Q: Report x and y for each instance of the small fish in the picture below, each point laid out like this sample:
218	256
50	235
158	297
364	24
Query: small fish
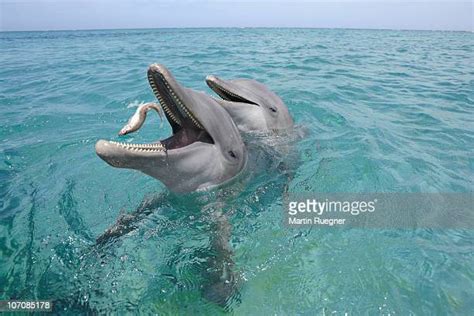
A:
137	119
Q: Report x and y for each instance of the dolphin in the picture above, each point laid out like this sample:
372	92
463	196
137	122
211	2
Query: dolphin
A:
204	150
252	106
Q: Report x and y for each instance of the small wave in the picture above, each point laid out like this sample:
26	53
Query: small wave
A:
382	111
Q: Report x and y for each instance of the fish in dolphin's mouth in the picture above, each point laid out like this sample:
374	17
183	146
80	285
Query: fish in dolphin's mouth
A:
186	128
226	92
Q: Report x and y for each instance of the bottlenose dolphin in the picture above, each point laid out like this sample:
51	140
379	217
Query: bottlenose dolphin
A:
204	150
252	106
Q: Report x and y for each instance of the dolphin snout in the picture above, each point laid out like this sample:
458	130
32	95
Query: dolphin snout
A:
211	78
158	68
106	151
102	149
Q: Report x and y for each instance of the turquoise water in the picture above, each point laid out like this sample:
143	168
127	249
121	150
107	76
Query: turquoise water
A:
378	111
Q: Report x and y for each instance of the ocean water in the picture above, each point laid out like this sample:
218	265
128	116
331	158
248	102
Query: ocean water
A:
376	111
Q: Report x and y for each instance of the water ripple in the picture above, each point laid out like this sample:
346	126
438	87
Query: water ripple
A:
380	111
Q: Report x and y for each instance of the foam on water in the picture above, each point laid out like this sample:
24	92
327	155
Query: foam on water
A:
381	111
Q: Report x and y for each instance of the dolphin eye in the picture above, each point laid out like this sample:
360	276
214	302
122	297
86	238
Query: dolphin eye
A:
232	154
273	109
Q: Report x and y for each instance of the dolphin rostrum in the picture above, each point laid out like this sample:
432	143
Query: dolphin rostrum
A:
252	106
204	150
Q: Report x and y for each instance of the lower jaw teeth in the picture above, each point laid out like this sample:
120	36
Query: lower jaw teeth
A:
141	147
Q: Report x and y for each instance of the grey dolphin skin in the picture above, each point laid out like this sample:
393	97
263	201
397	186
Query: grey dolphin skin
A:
252	106
204	150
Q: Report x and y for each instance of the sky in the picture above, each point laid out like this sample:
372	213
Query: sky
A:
25	15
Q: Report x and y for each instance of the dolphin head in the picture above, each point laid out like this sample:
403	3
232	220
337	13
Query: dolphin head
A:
251	104
204	150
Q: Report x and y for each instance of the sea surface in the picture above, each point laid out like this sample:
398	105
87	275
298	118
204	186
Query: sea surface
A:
375	111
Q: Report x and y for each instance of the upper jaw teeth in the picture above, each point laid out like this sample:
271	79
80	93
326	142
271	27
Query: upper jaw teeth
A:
219	89
156	147
162	102
181	107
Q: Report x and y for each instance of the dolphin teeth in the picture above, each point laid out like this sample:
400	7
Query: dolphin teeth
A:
162	102
222	89
154	147
181	107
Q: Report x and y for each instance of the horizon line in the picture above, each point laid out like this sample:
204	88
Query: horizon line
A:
237	27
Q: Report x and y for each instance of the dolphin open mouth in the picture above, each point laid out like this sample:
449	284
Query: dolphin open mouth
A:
186	128
204	150
225	91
